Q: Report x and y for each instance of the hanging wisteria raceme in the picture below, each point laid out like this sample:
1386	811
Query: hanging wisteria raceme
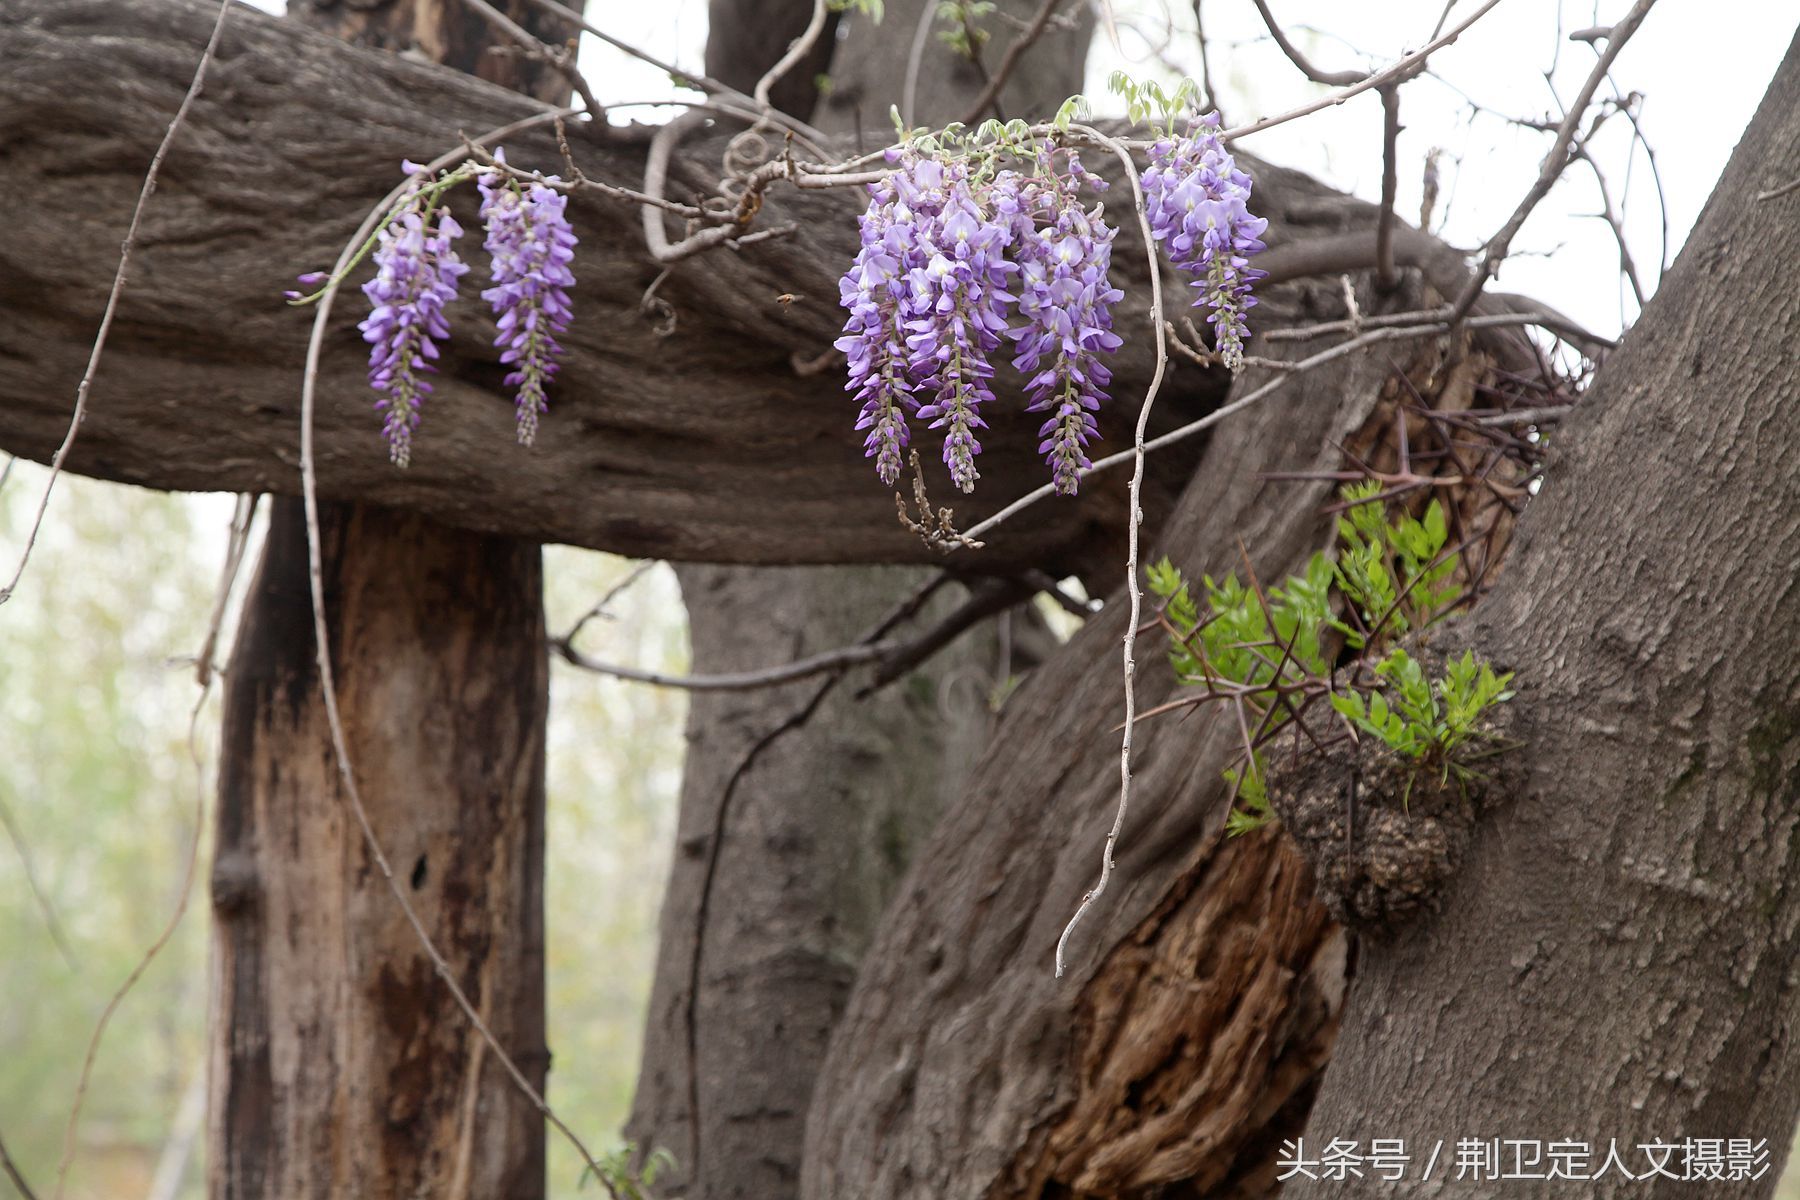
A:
951	246
1198	204
532	247
930	291
959	317
417	270
926	297
877	295
1066	299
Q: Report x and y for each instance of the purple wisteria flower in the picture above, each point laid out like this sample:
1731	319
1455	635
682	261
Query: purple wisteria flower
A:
958	319
417	274
943	243
532	245
1066	299
1198	205
875	293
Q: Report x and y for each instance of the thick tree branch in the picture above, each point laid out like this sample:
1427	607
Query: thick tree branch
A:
297	135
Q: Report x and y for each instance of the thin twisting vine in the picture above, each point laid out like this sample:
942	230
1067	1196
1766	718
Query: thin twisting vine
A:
1134	519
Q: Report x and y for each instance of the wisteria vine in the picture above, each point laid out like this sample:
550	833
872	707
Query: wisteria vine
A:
953	246
970	246
531	247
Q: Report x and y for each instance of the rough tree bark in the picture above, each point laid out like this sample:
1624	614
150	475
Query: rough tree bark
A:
1617	958
961	1067
1616	961
773	900
330	1021
1203	993
294	138
340	1063
821	820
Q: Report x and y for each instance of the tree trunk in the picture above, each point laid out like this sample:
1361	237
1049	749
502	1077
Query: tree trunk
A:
794	828
790	843
341	1060
1616	958
1204	990
341	1065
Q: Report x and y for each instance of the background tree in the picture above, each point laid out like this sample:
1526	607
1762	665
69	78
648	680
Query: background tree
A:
1188	1039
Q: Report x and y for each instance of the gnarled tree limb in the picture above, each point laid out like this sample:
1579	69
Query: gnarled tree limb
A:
295	138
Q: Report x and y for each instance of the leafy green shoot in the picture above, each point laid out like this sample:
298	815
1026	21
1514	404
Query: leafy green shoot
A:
1273	655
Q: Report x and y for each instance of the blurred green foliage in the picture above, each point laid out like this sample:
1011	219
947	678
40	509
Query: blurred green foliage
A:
97	784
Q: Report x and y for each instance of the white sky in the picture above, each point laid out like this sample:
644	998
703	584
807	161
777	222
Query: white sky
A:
1701	77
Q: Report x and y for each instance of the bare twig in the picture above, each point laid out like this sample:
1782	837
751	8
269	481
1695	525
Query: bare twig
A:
237	541
1206	75
72	1126
1373	337
1525	416
698	81
580	182
1401	68
112	299
985	600
1556	161
13	1173
1627	266
559	58
1134	518
656	174
1328	78
797	51
1385	279
900	612
234	558
1009	61
1792	185
739	681
915	60
52	923
600	606
74	1119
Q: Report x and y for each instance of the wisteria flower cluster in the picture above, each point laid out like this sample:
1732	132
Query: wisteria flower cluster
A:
1199	208
949	249
531	247
952	248
417	272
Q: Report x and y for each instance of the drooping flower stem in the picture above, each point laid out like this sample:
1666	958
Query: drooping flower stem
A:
417	275
532	247
1199	210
